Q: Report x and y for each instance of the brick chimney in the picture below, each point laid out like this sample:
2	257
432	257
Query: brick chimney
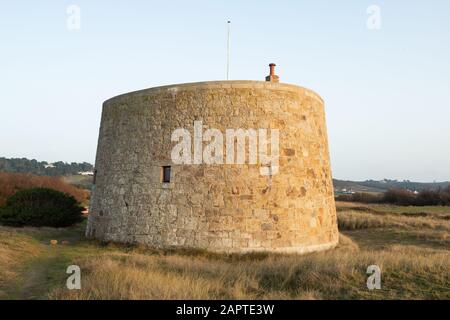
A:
272	77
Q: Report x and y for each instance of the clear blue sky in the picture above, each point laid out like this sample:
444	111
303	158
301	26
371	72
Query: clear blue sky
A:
387	92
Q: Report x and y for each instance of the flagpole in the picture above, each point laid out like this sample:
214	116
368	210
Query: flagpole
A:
228	51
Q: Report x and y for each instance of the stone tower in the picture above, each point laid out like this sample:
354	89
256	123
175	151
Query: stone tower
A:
142	196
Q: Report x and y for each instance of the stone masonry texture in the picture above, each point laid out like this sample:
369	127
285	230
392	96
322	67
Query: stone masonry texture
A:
221	207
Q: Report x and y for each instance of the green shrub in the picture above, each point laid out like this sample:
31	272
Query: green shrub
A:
402	197
39	207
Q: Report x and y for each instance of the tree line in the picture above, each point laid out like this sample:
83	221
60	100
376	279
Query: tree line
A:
402	197
43	168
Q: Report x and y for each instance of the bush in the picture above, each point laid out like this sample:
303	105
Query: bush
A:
400	197
39	207
10	183
445	196
429	198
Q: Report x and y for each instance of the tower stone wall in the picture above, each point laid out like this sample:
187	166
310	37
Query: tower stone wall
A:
219	207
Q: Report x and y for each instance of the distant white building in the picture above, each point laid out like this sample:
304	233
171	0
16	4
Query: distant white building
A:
86	173
346	191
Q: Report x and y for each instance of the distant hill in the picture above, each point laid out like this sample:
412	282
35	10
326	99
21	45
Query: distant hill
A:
43	168
373	186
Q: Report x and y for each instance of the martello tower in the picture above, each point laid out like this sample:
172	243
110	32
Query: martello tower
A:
141	196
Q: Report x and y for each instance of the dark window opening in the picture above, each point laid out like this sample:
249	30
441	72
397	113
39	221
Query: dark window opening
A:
95	177
166	174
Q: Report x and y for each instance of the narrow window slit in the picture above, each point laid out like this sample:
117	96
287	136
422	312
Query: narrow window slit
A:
166	174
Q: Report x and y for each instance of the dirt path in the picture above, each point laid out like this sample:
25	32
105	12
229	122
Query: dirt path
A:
39	275
34	283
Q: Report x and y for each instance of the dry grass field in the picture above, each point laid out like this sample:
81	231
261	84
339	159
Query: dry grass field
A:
409	244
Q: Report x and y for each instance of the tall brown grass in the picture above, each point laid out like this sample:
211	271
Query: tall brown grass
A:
412	268
15	248
335	274
352	220
10	183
